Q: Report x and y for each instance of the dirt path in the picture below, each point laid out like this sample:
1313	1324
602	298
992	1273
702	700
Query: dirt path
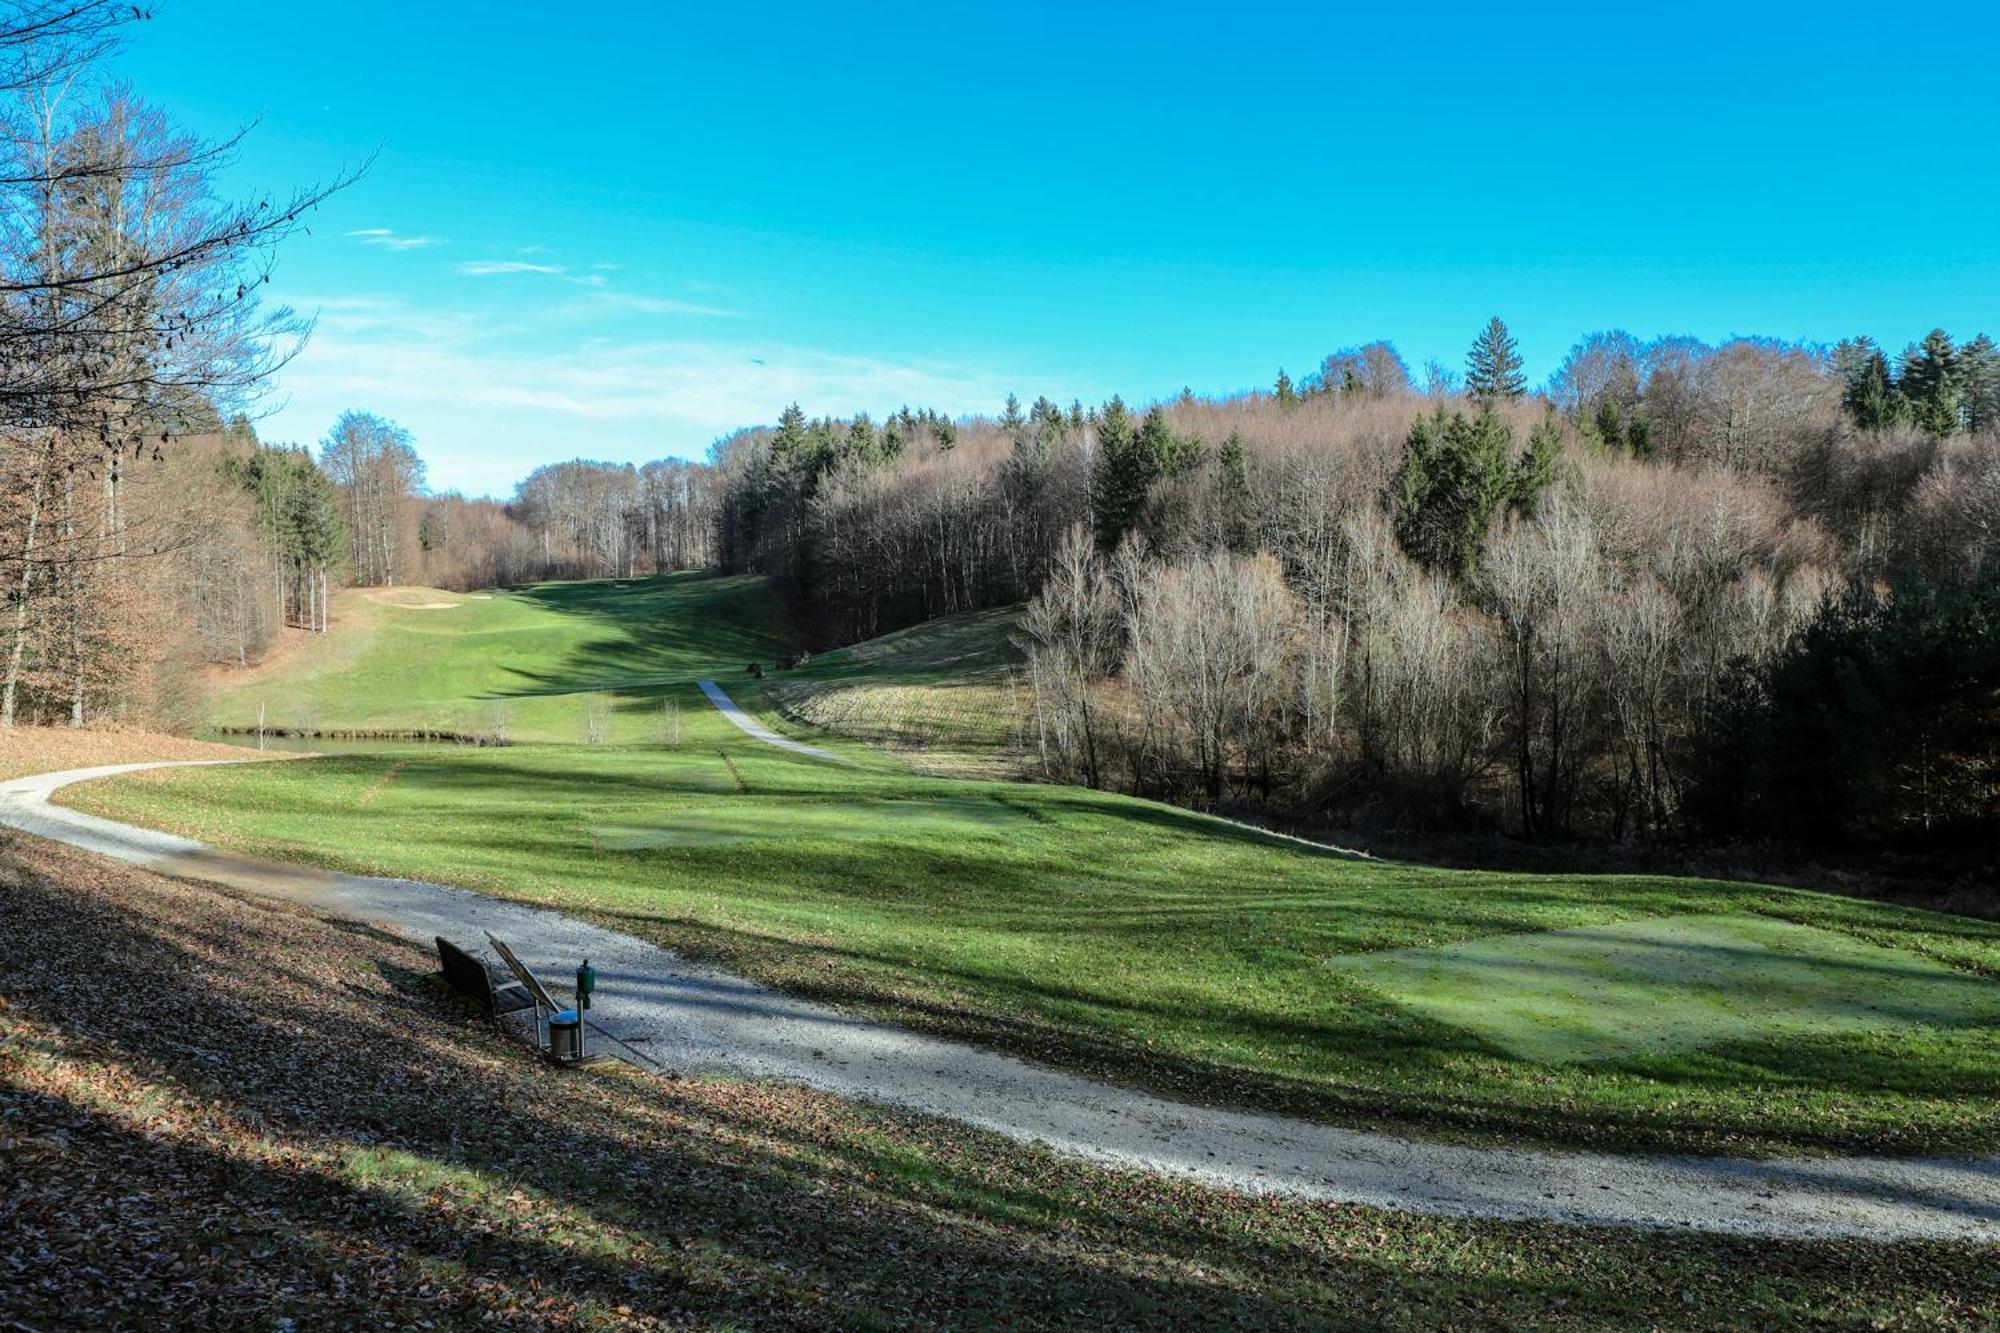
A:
677	1015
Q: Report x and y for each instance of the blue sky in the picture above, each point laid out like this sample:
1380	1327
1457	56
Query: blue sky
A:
618	231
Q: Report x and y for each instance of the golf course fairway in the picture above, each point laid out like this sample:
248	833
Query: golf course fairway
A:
1115	937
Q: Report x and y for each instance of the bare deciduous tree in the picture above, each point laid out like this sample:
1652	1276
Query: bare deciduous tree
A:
1212	663
1070	633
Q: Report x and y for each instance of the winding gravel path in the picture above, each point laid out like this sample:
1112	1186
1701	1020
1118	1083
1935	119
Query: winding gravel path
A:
750	725
676	1015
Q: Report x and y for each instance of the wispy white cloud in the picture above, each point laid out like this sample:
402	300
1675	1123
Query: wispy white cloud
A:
486	268
390	240
489	400
598	282
655	305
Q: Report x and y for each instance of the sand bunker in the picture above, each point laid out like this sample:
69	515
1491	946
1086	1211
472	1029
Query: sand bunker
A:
414	599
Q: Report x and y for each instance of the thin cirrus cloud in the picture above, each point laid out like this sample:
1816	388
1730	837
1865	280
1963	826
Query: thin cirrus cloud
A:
487	397
598	283
388	239
486	268
658	305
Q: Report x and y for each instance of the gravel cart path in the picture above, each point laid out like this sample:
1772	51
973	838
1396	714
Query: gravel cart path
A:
672	1014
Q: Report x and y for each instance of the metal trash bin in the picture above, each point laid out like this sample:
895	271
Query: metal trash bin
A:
566	1036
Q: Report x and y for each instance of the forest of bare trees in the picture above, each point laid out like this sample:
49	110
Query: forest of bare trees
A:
131	317
616	519
1448	605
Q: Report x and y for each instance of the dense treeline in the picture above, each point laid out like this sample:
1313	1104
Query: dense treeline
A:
576	519
1449	603
589	519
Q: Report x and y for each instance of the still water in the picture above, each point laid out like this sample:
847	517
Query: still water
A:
324	744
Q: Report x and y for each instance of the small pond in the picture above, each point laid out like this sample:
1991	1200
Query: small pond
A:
326	744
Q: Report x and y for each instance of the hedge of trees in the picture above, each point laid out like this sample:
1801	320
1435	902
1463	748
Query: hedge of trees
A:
1453	604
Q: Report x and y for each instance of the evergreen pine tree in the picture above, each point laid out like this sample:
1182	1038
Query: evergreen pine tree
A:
1535	471
1122	476
1287	395
790	439
1165	454
1414	489
1979	368
1872	398
1867	392
1930	384
1454	476
860	446
1493	367
1046	424
1232	487
1011	420
316	533
1605	422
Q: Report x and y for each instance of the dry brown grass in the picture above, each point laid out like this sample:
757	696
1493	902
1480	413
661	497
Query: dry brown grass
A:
414	599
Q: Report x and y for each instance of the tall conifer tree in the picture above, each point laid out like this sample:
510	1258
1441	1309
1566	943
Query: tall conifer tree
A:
1930	384
1493	367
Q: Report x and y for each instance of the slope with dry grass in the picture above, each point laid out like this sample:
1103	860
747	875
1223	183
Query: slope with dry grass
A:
28	750
948	695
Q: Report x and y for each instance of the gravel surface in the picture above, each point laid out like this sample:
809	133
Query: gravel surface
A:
751	726
670	1014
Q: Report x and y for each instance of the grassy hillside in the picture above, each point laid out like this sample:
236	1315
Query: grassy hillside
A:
948	695
325	1139
1136	940
526	663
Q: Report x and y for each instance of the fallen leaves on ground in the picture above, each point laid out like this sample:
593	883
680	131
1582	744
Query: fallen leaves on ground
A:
221	1110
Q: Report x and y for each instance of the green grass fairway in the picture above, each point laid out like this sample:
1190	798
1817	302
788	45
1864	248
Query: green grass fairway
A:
863	817
524	662
1117	937
1637	988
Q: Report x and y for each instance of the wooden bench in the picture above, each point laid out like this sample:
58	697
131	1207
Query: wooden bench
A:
471	978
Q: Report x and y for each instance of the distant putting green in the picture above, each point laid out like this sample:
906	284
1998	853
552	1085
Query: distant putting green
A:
1662	984
1120	938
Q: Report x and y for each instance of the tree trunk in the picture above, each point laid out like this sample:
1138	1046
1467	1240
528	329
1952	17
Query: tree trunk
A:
40	493
74	581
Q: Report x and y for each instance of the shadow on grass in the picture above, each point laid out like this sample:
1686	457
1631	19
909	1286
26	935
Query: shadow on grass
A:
362	1154
659	632
889	917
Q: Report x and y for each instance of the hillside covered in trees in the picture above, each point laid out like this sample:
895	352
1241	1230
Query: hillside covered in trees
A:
1688	590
